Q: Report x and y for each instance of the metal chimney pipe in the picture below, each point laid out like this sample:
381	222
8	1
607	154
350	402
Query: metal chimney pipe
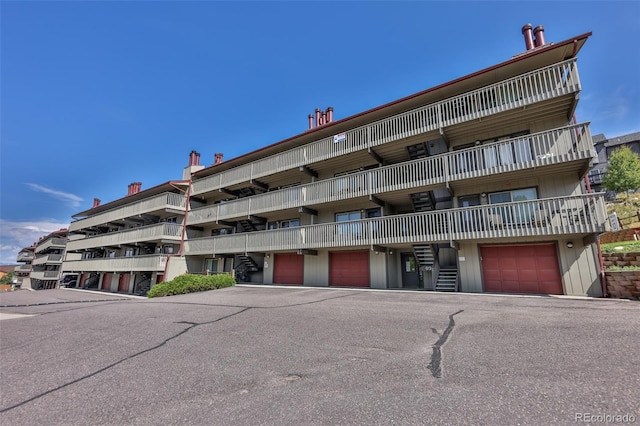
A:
317	117
196	158
310	121
528	36
323	117
96	202
218	158
130	189
330	115
539	33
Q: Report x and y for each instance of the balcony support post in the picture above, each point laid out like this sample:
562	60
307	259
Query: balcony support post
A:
376	156
376	200
307	210
259	184
307	171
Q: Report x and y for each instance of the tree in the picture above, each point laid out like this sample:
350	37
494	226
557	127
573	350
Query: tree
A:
624	171
7	279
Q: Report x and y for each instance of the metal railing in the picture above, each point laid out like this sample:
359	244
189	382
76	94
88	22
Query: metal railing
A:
158	231
167	200
569	143
47	258
154	262
535	86
578	214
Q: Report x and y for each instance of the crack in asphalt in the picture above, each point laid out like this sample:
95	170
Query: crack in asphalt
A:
436	357
192	325
62	302
261	307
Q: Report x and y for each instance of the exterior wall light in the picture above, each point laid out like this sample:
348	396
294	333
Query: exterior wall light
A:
569	244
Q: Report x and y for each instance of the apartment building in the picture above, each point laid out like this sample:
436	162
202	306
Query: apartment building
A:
604	148
474	185
22	272
47	260
125	245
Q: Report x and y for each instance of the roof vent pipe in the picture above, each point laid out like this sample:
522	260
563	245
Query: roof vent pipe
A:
330	115
310	121
96	202
538	32
528	36
194	158
317	117
217	158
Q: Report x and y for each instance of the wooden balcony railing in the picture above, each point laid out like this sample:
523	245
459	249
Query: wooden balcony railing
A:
154	262
578	214
570	143
168	200
158	231
51	243
44	275
47	258
536	86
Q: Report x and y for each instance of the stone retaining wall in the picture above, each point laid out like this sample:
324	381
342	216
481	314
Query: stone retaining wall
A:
622	284
623	235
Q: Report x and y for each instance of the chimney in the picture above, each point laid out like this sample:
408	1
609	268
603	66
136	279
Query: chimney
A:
317	117
134	188
129	189
528	36
194	158
330	115
218	158
538	32
96	202
310	121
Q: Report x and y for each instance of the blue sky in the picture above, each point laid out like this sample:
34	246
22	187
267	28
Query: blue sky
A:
96	95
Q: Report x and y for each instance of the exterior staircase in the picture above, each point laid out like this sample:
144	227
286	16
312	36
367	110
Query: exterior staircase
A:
425	254
418	150
248	263
422	201
252	223
447	279
141	288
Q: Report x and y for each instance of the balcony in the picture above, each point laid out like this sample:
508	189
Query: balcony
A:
25	257
52	244
47	259
22	269
169	232
567	147
154	262
571	215
513	94
166	201
44	275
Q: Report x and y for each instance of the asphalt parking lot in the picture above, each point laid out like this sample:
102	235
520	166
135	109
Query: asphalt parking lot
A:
271	355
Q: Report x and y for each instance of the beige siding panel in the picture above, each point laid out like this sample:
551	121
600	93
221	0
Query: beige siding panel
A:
267	271
316	269
378	270
395	269
579	269
469	268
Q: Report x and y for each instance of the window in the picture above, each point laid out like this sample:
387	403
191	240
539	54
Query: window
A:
515	214
349	229
290	223
129	252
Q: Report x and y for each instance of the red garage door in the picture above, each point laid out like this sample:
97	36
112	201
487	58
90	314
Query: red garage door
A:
530	268
123	283
349	268
106	281
288	269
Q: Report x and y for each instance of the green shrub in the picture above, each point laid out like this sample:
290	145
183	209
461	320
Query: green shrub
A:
621	247
615	268
191	283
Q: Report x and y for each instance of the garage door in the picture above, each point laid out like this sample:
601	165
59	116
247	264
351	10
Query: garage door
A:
288	269
123	283
530	268
349	268
106	282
